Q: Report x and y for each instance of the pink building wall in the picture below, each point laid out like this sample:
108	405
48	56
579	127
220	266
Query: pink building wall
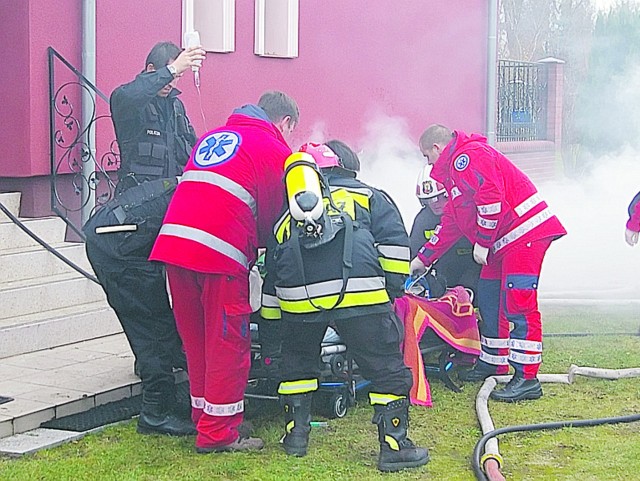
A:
423	62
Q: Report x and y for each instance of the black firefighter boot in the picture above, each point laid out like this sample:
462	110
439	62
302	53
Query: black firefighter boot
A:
397	451
519	389
156	417
297	420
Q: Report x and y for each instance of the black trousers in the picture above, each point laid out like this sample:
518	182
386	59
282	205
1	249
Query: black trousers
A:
136	291
372	340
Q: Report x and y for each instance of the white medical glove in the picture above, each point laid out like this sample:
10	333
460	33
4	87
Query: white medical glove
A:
417	266
480	254
631	237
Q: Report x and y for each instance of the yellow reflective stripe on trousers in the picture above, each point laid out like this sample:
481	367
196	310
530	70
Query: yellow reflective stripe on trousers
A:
270	313
394	266
298	387
383	399
352	299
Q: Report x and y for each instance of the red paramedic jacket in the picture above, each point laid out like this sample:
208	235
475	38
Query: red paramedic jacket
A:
491	201
228	198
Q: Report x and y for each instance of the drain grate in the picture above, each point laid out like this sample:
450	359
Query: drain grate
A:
108	413
4	399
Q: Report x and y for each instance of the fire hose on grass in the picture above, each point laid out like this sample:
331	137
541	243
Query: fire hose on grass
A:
487	466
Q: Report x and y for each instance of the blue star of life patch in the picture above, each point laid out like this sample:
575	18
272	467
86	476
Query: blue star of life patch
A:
461	162
216	148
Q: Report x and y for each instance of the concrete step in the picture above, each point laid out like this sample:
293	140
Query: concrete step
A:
50	229
34	262
11	200
33	296
65	380
49	329
62	381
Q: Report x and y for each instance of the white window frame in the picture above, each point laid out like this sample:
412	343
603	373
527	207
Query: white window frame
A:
276	28
214	20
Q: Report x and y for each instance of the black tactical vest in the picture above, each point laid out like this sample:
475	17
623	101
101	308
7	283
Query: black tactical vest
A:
162	145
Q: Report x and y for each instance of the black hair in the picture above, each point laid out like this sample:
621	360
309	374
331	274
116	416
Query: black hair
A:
161	54
348	158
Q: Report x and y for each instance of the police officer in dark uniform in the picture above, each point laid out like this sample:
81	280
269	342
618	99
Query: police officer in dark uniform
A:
119	237
154	135
456	267
349	280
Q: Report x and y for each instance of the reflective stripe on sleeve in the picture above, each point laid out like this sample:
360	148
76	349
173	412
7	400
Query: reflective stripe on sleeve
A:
486	223
528	204
490	209
394	266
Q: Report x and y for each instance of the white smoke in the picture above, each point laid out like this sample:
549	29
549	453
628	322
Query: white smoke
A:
391	161
591	262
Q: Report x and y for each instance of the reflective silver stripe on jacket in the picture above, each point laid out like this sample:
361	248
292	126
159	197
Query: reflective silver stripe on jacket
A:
327	288
522	229
489	209
224	183
486	223
207	240
395	252
528	204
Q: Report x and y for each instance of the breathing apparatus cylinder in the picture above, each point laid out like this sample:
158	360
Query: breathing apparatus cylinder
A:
304	192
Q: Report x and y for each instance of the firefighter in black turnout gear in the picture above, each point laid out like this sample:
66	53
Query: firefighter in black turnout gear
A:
154	135
119	237
456	267
339	258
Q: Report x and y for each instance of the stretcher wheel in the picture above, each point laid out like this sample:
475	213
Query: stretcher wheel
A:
338	364
338	405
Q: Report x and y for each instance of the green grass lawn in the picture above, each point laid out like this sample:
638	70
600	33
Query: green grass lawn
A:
347	449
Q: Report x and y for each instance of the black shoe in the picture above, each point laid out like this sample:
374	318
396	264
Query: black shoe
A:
476	374
156	417
519	389
408	456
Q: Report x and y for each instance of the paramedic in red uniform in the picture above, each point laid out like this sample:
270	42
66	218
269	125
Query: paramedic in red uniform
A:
633	224
223	209
498	208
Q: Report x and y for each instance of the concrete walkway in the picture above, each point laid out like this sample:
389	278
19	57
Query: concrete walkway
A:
65	380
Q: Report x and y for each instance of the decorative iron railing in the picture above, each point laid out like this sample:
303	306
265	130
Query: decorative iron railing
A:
80	176
522	101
